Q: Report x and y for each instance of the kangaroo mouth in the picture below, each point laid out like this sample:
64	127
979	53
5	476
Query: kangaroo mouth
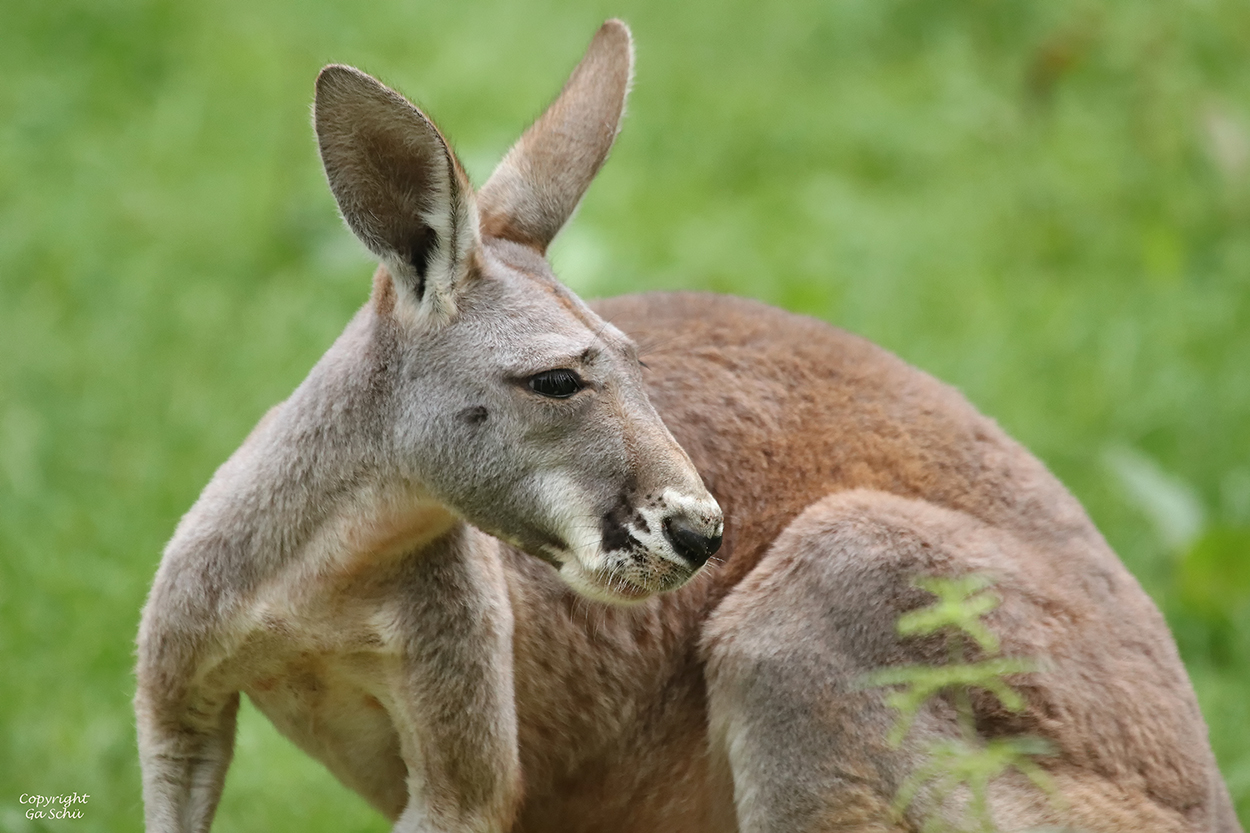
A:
623	576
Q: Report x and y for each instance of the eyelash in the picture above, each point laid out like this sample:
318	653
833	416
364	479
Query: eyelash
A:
556	384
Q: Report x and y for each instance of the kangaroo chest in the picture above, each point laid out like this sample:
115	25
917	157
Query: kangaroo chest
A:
320	659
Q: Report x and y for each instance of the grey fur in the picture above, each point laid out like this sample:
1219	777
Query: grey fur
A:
369	567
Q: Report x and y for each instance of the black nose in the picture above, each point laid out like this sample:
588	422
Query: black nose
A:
689	541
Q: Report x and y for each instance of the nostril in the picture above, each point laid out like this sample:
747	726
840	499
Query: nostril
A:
690	542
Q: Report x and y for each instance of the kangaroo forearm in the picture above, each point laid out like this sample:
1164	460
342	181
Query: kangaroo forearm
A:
455	704
184	758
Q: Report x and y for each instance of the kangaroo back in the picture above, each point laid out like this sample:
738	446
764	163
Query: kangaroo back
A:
778	410
404	565
846	474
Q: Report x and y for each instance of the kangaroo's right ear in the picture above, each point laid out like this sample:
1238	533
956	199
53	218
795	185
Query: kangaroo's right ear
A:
538	184
398	185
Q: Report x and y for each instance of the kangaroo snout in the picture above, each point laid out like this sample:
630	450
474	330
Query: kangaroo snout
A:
648	547
693	541
692	526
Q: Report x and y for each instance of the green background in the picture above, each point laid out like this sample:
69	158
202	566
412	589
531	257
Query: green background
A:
1043	202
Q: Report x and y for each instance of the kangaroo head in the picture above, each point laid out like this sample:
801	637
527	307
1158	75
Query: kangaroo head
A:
511	402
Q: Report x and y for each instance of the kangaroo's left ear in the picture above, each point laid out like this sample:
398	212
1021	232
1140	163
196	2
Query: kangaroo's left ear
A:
398	185
537	186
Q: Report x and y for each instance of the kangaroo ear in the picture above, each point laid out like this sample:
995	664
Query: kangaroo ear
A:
397	183
537	186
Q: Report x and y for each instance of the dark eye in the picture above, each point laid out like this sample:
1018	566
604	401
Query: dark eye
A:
558	384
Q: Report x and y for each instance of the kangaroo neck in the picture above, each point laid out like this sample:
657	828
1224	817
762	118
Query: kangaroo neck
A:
316	480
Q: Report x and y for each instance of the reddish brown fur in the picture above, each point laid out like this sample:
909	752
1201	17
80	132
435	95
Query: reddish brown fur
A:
778	412
331	572
728	376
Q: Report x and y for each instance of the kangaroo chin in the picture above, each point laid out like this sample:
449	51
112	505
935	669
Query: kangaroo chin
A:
400	566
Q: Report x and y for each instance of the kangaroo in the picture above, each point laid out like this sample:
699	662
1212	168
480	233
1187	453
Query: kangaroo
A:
468	564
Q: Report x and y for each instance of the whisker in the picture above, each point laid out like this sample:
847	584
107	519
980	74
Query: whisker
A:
656	345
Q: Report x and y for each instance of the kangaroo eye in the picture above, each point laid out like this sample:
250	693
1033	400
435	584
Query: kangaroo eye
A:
558	384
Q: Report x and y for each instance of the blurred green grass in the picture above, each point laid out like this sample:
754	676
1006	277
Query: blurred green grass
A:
1043	202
